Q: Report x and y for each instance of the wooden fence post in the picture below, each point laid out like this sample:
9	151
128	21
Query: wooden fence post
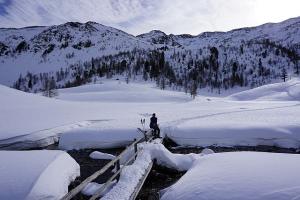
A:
118	168
135	148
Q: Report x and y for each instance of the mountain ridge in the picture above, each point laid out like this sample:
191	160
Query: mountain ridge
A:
269	47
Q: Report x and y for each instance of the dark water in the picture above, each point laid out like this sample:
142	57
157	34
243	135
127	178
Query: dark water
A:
270	149
158	179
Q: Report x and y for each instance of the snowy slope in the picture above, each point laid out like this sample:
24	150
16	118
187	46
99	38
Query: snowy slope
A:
45	49
119	91
289	91
31	112
34	175
40	119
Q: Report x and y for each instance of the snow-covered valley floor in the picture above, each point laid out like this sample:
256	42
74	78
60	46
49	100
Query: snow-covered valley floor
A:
106	115
110	112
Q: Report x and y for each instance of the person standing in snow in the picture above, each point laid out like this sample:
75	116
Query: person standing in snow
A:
154	125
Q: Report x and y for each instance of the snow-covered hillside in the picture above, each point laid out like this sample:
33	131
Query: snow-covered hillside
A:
114	91
46	49
289	91
285	33
74	54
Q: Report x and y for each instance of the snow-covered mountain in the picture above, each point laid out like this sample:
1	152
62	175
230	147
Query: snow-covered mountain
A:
45	49
246	57
285	33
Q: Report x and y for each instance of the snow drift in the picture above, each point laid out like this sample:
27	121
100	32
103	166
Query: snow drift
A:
35	175
117	91
288	91
101	156
239	175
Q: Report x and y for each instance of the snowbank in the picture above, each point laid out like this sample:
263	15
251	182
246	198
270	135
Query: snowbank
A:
35	175
239	175
194	133
288	91
97	138
35	119
239	124
102	156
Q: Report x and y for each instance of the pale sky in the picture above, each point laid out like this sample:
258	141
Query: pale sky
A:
140	16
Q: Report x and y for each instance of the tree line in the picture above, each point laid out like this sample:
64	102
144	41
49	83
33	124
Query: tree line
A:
216	68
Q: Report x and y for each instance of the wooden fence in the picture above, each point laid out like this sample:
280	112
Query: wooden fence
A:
115	162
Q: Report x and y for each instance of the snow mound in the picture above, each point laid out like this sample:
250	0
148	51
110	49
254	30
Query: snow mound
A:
97	138
117	91
102	156
198	133
34	175
207	151
239	175
270	123
93	187
288	91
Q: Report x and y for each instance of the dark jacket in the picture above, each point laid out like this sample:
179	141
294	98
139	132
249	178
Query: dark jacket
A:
153	122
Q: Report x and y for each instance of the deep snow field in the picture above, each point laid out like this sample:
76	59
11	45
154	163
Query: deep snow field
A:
112	109
107	114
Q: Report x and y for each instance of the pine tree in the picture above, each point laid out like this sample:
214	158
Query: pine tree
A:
297	67
30	83
49	89
194	88
284	75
